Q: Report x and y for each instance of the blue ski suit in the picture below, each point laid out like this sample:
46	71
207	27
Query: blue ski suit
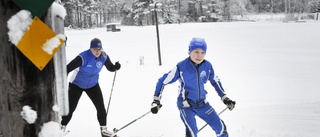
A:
87	75
86	68
191	100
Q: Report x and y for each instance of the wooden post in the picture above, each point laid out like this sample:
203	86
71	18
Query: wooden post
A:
60	69
22	83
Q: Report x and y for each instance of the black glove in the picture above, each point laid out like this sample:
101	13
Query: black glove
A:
117	65
155	106
230	104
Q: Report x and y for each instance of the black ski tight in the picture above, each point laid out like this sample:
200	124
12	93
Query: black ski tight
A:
95	96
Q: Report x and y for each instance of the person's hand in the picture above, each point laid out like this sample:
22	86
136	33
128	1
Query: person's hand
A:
155	106
117	65
230	104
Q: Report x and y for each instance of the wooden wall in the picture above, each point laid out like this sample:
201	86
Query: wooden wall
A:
21	83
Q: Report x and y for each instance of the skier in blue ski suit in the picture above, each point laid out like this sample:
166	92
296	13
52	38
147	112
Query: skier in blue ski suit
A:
192	73
87	66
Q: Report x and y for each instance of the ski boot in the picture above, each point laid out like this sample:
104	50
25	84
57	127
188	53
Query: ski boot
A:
106	133
64	130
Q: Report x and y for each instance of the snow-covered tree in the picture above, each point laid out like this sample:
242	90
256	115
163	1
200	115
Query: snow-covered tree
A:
225	9
139	10
135	12
169	12
112	10
212	10
238	7
192	14
70	18
89	13
315	7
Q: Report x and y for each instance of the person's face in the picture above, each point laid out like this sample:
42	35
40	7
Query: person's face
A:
197	55
96	52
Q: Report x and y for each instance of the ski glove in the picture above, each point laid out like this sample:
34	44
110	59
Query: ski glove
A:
155	106
230	104
117	65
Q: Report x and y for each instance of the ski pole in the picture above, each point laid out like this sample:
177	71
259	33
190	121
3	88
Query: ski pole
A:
207	123
114	79
117	130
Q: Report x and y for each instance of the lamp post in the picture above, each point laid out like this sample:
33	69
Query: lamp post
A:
155	5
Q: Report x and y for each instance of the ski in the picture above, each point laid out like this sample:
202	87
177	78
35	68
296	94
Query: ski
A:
109	136
64	133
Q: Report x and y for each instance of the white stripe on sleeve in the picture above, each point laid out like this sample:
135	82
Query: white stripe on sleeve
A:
170	75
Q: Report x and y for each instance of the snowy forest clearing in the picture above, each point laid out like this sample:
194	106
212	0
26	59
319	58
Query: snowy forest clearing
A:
270	69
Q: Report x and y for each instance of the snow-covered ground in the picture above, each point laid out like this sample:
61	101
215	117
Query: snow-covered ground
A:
272	71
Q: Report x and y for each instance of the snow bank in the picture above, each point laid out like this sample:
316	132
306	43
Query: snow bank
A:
50	129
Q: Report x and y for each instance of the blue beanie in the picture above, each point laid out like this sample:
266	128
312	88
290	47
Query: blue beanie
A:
96	43
198	43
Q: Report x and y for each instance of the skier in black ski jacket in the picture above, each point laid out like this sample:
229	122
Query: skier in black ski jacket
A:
87	66
192	73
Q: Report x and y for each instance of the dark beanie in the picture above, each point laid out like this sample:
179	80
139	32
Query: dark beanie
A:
96	43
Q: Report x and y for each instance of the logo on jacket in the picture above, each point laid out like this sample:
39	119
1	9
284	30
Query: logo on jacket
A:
99	64
203	75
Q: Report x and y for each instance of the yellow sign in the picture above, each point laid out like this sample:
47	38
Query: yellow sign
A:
34	40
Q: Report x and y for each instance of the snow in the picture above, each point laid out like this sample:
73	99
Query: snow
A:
50	129
53	43
272	71
58	10
18	24
28	114
55	108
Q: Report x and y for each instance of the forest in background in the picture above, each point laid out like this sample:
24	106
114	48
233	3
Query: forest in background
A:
97	13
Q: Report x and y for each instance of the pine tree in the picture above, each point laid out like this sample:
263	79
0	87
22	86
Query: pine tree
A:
315	8
169	12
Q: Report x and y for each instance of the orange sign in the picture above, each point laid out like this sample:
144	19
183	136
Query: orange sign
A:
33	41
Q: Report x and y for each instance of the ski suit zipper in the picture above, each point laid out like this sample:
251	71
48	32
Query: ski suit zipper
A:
196	66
